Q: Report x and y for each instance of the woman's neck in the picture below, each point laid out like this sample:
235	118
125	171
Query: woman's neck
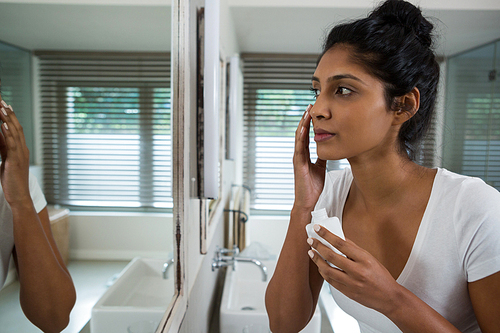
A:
382	182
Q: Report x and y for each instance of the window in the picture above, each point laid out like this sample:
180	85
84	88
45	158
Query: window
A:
106	129
276	94
472	120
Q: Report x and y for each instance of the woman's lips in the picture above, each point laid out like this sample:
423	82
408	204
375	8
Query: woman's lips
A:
322	135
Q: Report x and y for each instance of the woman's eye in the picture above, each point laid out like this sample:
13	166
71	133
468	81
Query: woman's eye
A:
315	92
343	91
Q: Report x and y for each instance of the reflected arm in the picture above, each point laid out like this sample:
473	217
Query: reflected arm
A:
47	294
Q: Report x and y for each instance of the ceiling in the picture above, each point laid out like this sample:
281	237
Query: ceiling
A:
301	30
93	27
285	26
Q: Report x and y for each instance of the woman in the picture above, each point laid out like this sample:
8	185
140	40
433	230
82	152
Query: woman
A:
47	294
422	249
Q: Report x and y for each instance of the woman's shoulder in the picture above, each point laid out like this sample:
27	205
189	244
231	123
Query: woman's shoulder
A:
466	186
472	208
467	198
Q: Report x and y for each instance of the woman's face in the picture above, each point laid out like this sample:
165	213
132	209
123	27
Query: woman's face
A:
350	116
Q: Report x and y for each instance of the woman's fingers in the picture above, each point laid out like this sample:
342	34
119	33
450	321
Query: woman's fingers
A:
330	274
306	126
13	148
347	247
14	171
342	262
303	126
11	117
11	128
7	135
302	135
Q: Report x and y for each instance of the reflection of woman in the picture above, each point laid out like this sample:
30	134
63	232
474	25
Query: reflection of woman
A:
422	245
47	294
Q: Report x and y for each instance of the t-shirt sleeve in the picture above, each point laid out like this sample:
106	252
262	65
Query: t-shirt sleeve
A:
480	238
36	194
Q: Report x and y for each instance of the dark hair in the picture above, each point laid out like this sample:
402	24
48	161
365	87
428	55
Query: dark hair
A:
394	43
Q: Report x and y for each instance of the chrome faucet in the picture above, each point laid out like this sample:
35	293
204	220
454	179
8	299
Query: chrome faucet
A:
222	260
166	265
255	262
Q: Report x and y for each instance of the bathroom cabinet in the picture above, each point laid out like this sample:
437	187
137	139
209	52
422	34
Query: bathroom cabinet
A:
59	224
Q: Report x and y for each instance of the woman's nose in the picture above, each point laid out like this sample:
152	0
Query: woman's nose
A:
320	109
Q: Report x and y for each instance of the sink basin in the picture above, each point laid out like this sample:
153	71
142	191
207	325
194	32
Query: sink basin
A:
242	304
139	296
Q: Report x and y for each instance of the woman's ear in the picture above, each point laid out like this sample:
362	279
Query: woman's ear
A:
407	106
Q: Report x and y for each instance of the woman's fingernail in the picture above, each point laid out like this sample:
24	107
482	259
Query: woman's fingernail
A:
3	103
309	108
6	126
310	241
317	227
310	253
305	114
4	111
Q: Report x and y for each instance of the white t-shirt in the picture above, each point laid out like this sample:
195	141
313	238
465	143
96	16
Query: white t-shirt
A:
458	241
7	228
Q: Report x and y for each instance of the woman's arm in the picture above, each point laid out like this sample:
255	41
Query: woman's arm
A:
47	294
293	291
485	297
365	280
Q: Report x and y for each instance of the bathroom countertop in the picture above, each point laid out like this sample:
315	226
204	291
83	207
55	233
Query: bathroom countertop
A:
90	278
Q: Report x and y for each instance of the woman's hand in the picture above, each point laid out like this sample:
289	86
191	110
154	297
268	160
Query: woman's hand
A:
14	170
365	280
361	277
309	177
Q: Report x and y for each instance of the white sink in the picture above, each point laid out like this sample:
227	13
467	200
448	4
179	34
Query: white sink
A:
243	303
139	296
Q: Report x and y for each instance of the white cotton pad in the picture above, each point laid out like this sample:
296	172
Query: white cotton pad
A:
332	224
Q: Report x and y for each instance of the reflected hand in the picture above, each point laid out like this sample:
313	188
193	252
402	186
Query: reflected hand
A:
14	170
309	177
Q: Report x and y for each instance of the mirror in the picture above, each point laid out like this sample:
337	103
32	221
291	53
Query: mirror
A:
211	91
101	113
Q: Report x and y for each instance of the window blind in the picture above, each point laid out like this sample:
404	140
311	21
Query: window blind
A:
472	142
106	129
276	94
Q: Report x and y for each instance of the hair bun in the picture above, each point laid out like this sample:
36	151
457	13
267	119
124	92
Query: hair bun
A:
405	14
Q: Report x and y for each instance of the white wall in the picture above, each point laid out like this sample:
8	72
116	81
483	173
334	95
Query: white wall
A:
120	236
270	231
